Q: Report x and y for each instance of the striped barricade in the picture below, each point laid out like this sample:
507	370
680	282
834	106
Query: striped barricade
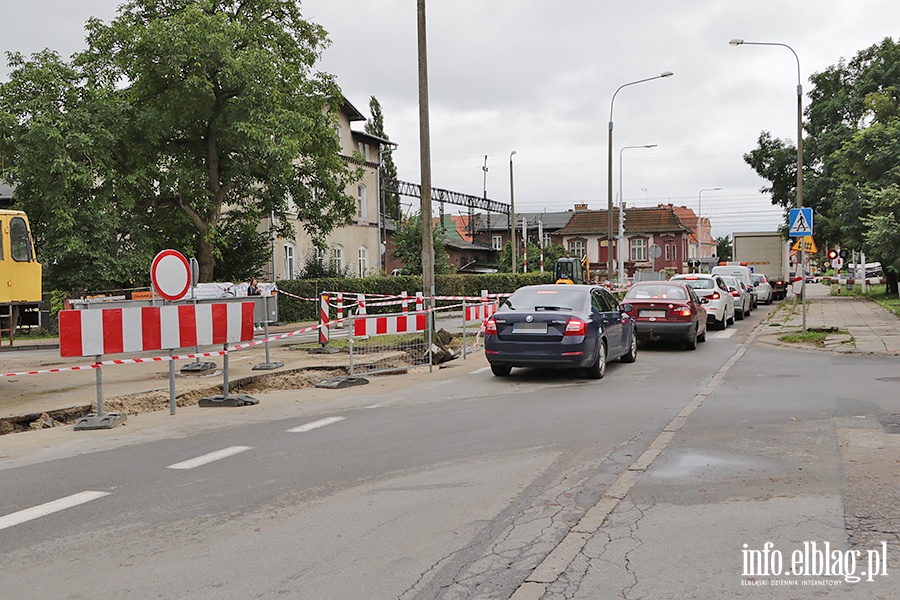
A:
384	324
95	332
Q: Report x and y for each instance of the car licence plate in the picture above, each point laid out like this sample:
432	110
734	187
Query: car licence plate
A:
530	328
653	313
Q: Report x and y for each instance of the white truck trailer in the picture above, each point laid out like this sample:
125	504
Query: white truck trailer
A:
767	253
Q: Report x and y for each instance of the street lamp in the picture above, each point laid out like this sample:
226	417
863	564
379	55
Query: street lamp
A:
740	42
512	215
700	219
620	250
609	230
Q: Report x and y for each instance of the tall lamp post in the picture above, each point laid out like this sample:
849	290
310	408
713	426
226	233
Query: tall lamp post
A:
620	250
512	215
609	207
700	220
740	42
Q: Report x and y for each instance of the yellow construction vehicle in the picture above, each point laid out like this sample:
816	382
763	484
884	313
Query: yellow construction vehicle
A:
20	275
573	270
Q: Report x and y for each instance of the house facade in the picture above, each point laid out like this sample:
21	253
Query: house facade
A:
355	248
656	239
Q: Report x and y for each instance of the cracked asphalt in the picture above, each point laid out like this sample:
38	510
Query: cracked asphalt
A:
790	448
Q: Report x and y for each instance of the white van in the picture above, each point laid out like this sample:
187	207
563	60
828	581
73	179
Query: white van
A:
741	272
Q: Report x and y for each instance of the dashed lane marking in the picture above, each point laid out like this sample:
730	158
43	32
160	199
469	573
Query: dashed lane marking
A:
48	508
316	424
208	458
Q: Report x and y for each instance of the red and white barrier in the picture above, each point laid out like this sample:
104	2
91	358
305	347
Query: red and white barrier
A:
380	325
323	319
480	312
94	332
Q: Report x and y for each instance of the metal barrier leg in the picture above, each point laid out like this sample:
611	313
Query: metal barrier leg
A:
171	382
225	399
99	420
268	365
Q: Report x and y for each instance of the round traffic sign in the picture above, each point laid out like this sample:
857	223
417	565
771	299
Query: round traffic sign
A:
171	275
837	263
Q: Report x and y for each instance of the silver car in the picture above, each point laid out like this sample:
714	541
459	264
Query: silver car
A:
720	304
743	302
763	288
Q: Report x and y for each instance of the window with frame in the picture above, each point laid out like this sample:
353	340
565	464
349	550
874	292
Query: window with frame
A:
497	242
337	258
361	202
576	248
290	261
638	249
19	240
667	251
547	241
362	261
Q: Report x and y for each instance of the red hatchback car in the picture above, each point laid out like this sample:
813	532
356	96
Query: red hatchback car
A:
669	310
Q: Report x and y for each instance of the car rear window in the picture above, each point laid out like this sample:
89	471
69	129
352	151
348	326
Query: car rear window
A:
700	284
669	292
564	298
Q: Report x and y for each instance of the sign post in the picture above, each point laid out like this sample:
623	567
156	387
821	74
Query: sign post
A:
801	225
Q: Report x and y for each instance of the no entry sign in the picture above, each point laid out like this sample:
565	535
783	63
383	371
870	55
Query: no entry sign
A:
171	275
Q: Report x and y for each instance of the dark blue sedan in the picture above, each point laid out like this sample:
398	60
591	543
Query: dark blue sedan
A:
559	326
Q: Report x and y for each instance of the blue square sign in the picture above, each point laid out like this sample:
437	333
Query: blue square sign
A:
801	222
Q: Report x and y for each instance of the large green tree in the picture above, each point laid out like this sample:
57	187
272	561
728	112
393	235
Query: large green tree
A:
184	122
851	156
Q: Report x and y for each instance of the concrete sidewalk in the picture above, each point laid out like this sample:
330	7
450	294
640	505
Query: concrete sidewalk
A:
870	328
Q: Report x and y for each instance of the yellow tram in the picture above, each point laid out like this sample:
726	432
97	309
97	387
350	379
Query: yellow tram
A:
20	274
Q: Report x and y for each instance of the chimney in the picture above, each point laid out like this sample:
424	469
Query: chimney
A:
580	207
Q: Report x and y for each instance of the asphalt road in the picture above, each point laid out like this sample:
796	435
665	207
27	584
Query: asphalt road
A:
453	484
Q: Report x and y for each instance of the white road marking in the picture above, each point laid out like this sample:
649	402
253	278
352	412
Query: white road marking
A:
49	508
208	458
316	424
481	370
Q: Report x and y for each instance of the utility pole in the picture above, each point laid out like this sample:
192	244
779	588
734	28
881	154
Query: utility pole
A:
425	164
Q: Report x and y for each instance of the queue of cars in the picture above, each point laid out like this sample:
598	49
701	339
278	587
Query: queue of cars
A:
584	327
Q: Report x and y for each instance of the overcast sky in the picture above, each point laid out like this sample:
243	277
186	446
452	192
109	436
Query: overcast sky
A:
538	77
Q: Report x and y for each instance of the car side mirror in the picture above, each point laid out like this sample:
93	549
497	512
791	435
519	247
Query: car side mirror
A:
704	300
626	308
731	289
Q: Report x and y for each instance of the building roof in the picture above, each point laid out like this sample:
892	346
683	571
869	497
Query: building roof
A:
656	219
470	246
689	218
500	222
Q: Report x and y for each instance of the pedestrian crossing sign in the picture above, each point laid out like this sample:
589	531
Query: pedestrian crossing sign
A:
801	222
807	244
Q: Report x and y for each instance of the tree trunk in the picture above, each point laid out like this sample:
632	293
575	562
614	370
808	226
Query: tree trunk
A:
206	261
892	285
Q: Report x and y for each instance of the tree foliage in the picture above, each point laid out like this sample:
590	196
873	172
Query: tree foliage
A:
408	246
551	254
375	126
851	156
182	125
724	248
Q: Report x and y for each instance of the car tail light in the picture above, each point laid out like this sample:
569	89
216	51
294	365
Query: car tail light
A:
576	327
682	311
715	296
490	327
736	294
